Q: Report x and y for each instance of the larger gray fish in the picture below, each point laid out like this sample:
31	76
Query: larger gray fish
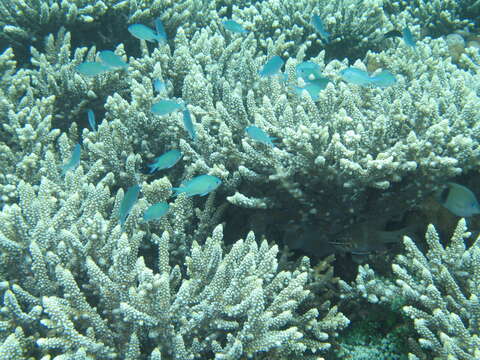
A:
459	200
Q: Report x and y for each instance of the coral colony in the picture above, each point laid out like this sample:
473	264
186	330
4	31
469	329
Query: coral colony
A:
234	180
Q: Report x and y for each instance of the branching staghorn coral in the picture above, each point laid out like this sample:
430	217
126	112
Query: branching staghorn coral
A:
353	29
436	18
26	132
438	290
352	25
331	150
351	139
75	286
54	73
78	286
21	20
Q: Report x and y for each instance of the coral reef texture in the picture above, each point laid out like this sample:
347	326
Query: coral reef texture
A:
350	145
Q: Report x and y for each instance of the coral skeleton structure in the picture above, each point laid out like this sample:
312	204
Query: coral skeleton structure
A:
233	180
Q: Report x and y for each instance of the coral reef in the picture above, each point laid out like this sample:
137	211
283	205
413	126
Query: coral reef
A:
373	338
78	286
436	17
75	284
437	289
352	138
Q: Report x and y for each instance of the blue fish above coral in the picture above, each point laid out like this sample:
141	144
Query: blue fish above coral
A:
259	135
383	79
91	119
92	68
73	161
355	76
165	161
313	88
112	60
460	200
200	185
159	85
187	122
143	32
360	77
233	26
272	67
156	211
165	107
127	203
320	28
308	71
311	74
408	38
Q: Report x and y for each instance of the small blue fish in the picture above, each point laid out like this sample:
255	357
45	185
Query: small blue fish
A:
187	122
233	26
318	25
272	66
128	201
459	200
156	211
200	185
408	38
143	32
356	76
165	161
313	87
308	71
161	34
164	107
112	60
383	79
159	85
91	119
259	135
91	68
73	161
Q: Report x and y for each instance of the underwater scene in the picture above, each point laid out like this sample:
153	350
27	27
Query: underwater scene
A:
236	180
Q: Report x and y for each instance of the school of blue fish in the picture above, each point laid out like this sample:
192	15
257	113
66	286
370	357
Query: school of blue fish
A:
455	197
